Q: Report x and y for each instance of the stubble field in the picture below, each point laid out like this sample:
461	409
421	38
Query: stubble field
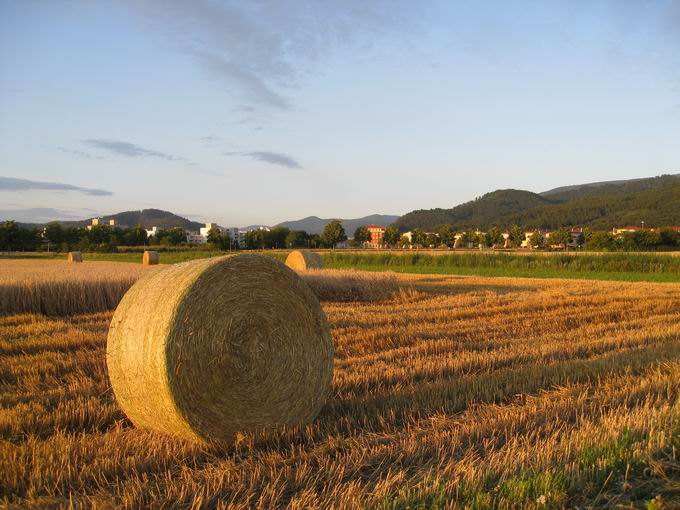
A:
456	392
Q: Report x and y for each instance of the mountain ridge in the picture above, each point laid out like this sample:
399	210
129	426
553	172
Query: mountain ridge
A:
315	224
600	205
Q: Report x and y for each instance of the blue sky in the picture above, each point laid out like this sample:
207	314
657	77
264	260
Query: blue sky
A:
264	111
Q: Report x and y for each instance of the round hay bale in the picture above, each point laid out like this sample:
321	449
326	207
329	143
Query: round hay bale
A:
301	260
150	258
74	256
212	347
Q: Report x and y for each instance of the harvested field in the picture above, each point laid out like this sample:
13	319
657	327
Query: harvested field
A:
60	288
350	285
463	392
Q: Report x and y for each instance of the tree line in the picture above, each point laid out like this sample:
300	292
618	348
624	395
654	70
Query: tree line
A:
104	238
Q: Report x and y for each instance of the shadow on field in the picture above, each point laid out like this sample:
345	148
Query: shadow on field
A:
449	287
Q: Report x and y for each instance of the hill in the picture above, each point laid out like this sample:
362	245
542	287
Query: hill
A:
579	191
315	225
146	218
600	205
485	210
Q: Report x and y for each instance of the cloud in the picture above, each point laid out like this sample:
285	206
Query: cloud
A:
262	49
79	153
128	149
13	184
37	215
275	158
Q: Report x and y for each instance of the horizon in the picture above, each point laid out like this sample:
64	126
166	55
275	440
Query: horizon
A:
253	113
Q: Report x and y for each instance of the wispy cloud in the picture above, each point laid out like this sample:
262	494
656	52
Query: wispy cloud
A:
82	154
263	49
275	158
210	140
13	184
128	149
37	215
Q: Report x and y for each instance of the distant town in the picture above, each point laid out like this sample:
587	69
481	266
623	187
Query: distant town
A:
108	235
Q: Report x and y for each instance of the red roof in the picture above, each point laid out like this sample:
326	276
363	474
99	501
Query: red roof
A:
375	226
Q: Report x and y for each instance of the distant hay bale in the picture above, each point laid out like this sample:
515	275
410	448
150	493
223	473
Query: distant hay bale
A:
74	256
350	285
212	347
150	258
301	260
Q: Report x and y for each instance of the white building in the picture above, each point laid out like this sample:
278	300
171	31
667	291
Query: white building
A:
235	234
151	232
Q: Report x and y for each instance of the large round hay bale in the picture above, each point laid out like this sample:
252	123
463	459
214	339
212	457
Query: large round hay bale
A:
74	256
212	347
301	260
150	258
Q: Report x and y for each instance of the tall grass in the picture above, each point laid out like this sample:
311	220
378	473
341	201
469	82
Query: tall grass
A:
582	263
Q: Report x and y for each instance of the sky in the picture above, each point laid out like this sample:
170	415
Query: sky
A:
261	111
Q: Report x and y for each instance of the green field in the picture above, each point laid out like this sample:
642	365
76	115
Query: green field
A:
602	266
625	267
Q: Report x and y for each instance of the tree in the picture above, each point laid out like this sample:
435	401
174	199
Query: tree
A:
445	236
254	239
314	240
404	241
276	237
469	238
224	242
214	236
561	237
297	239
9	235
431	240
98	234
135	236
176	236
54	233
418	237
601	241
517	235
669	237
361	236
494	237
536	240
391	236
333	234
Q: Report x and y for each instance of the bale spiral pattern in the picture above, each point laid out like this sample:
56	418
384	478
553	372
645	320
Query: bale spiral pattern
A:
150	258
212	347
301	260
74	256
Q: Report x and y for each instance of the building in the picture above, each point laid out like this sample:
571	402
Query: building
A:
98	222
208	227
236	234
377	233
194	237
527	238
619	231
151	232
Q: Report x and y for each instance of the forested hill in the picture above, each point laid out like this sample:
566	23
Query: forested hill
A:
656	201
146	218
